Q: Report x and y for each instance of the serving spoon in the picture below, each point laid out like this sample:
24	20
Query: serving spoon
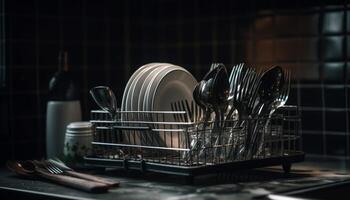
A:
105	99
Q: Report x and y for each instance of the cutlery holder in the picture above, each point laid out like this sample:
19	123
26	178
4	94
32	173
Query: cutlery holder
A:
152	141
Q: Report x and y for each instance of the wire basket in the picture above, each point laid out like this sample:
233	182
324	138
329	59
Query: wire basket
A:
154	141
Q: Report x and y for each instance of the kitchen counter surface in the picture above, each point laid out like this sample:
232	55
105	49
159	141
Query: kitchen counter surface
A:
246	184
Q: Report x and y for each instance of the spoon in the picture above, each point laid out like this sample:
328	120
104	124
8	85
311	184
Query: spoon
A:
105	99
220	92
271	84
213	93
29	169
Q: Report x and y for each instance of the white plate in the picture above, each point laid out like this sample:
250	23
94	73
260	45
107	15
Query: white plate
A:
135	87
147	82
131	103
131	79
173	84
156	79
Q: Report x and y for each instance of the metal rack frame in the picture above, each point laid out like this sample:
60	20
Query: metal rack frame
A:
154	142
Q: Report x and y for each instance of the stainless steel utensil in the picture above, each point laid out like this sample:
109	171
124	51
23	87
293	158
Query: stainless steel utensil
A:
58	167
31	170
105	99
271	84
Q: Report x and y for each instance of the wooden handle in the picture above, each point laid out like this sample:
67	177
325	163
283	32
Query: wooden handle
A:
77	183
105	181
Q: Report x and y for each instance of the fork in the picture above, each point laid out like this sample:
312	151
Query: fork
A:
56	167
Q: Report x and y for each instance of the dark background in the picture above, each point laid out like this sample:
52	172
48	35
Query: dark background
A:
108	40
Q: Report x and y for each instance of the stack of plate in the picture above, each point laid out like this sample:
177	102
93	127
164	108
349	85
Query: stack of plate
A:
154	86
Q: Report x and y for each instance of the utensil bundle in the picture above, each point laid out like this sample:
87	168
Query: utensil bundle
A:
245	100
56	171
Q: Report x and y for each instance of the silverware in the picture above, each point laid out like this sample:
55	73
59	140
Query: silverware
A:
105	99
271	84
30	169
58	167
244	84
277	103
284	94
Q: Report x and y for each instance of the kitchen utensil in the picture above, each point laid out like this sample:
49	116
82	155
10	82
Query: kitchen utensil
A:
277	103
244	84
284	94
105	99
220	91
271	84
31	170
58	167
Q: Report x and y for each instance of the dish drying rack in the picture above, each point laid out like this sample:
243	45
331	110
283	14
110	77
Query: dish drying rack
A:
149	142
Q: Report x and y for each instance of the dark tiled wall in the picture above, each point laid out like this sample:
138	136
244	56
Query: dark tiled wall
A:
108	40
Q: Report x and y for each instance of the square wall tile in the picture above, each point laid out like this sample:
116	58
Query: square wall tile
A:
334	97
333	22
308	73
206	31
24	79
308	49
336	121
283	25
25	129
313	143
308	23
23	27
333	72
287	49
312	120
336	145
22	53
265	51
264	26
48	28
224	54
225	30
332	48
25	104
311	97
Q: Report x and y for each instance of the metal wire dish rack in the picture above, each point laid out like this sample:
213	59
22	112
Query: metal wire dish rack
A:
148	141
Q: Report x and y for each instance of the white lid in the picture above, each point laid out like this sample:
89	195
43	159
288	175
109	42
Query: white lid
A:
79	126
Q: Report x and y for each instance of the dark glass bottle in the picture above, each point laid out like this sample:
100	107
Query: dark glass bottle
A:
62	86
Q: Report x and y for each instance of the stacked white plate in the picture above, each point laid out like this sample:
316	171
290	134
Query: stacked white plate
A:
153	87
